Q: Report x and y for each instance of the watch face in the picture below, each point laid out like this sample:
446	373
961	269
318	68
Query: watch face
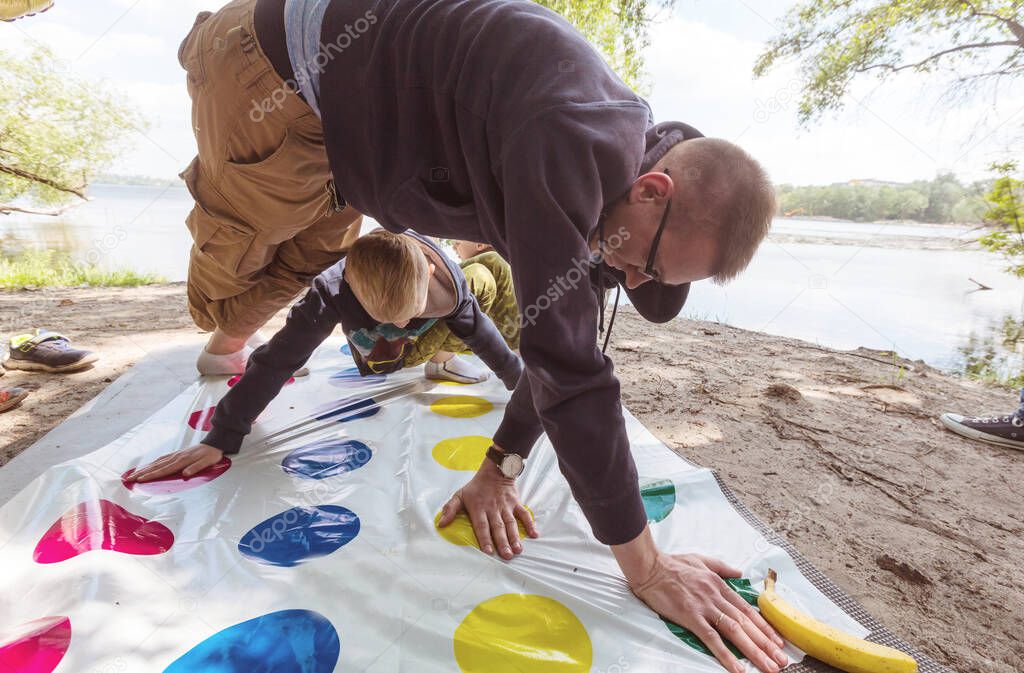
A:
512	465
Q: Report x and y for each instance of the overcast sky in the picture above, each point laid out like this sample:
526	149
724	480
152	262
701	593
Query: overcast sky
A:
700	68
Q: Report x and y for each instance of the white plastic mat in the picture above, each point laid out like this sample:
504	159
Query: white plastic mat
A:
316	550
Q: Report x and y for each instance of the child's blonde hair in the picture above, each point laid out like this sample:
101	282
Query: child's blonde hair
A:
389	273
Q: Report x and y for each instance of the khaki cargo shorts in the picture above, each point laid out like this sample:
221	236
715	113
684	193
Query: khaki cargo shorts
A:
266	219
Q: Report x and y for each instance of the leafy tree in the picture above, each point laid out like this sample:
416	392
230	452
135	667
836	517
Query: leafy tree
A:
836	41
944	199
1006	214
618	28
56	132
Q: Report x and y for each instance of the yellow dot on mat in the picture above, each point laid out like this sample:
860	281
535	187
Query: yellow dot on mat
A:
460	532
461	406
455	383
462	453
512	633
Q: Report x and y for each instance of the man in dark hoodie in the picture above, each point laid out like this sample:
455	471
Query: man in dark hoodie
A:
496	121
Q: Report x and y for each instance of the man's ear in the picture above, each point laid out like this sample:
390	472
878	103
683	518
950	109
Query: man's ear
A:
652	186
430	269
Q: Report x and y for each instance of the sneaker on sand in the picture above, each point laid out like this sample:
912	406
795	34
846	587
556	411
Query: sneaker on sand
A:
1002	430
16	9
45	351
11	397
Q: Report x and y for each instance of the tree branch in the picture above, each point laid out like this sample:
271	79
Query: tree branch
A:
963	47
7	209
27	175
1015	27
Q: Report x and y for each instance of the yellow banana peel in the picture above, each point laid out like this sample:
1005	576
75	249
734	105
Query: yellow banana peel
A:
829	644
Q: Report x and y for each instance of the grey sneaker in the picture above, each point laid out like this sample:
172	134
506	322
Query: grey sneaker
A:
45	351
1001	430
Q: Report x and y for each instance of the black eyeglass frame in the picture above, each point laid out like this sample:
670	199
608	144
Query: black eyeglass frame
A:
652	255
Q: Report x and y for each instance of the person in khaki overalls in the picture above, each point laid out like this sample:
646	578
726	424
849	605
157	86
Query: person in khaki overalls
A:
266	218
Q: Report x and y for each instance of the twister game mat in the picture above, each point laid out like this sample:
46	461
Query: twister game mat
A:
315	549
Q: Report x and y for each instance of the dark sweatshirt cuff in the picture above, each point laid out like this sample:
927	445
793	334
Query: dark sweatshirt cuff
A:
617	520
516	436
227	441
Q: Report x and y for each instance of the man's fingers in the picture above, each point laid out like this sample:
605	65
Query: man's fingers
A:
482	530
512	531
450	510
758	621
739	631
719	566
526	518
709	636
499	534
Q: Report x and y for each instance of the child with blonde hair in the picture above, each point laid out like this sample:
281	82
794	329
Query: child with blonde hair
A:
389	292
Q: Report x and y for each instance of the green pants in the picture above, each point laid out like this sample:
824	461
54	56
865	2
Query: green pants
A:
490	280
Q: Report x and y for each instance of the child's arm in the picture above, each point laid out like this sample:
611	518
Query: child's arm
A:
479	332
309	323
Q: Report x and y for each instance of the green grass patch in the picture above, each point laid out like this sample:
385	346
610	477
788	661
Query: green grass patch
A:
47	268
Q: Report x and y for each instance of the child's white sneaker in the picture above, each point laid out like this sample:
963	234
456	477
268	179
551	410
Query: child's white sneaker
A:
229	364
456	369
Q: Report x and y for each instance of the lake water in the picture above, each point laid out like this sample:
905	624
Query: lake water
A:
919	303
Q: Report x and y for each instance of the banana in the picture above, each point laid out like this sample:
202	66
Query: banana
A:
827	643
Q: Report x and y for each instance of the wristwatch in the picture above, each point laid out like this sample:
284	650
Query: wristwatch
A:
510	464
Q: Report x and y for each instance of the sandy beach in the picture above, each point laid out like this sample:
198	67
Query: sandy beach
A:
839	451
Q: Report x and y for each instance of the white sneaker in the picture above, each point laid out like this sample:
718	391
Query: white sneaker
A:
456	369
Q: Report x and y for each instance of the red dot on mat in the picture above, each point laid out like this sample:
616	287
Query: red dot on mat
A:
201	419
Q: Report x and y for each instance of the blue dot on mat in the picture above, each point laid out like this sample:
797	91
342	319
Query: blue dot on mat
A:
346	350
352	377
327	458
348	409
287	641
299	534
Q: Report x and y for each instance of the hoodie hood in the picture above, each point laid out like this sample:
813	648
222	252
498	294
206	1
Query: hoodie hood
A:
662	137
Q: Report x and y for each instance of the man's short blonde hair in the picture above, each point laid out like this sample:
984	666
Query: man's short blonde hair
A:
389	274
737	199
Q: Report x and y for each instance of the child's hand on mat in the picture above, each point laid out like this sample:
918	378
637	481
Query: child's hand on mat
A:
688	589
188	462
492	502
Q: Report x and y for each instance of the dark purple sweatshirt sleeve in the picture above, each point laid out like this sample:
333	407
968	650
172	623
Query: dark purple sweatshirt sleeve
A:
309	323
553	198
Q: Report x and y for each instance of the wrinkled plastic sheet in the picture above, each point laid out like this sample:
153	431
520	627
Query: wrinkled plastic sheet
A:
315	548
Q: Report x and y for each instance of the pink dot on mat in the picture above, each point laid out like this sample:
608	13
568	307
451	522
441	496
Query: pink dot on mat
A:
36	646
101	524
202	419
176	483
